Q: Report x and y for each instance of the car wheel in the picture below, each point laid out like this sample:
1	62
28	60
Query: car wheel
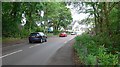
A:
45	40
30	41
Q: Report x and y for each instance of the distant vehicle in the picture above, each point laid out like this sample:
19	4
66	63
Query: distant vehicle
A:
37	37
50	30
63	34
73	33
78	33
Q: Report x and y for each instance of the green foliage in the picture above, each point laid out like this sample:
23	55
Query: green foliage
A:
92	52
24	33
83	39
39	29
56	32
57	12
107	59
90	60
105	44
112	43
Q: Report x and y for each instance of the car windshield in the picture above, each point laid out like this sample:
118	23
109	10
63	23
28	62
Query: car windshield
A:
34	34
41	33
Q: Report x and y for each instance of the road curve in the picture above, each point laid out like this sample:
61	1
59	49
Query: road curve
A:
33	54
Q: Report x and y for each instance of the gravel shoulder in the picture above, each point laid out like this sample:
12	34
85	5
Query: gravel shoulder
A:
13	42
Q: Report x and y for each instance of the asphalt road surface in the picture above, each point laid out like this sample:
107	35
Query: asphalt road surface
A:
35	53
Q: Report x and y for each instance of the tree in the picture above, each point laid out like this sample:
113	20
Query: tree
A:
12	12
106	20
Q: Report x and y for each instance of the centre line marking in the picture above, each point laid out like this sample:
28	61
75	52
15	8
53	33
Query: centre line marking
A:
11	53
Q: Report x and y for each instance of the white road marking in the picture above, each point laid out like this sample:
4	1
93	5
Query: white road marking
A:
11	53
34	45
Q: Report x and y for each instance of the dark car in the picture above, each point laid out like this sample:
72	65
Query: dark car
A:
37	37
63	34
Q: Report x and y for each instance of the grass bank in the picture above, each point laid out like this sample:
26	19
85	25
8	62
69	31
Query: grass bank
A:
10	39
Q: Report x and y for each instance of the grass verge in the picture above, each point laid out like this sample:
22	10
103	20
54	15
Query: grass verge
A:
4	40
90	52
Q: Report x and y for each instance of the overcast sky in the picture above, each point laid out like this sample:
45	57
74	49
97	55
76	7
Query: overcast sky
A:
75	14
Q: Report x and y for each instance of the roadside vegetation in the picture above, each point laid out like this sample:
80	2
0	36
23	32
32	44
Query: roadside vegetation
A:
92	51
55	15
0	39
5	40
100	45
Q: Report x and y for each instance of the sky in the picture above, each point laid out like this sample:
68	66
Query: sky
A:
77	16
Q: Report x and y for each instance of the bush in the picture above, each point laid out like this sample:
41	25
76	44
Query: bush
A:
24	33
56	32
91	50
39	29
90	60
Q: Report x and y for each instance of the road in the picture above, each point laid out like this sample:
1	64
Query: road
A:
35	53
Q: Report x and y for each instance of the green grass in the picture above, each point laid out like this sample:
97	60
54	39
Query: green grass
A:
10	39
0	39
51	34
